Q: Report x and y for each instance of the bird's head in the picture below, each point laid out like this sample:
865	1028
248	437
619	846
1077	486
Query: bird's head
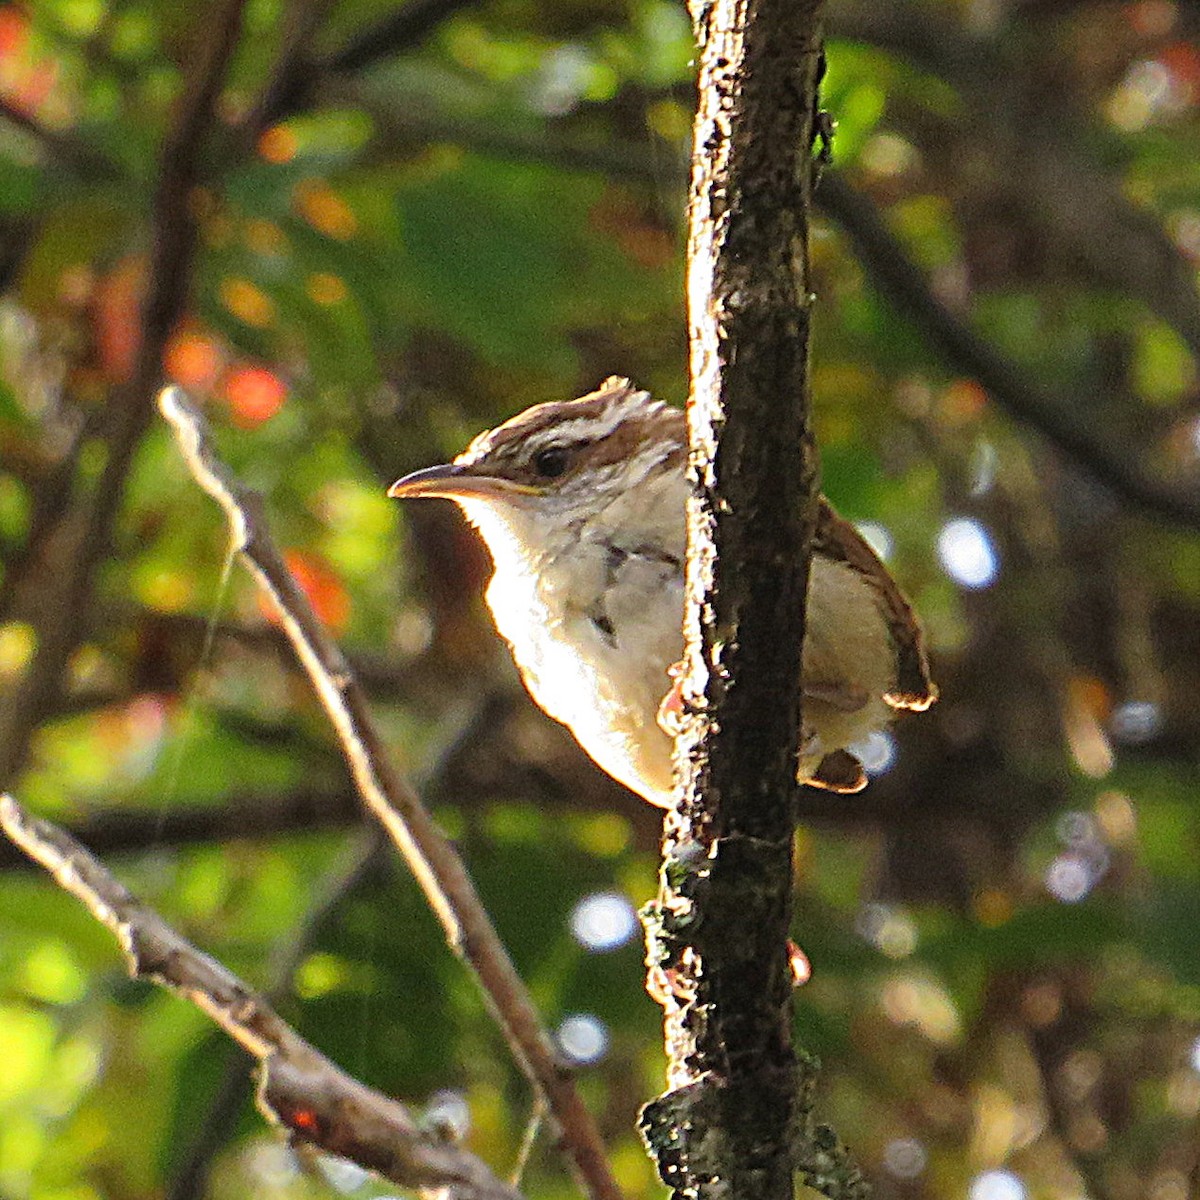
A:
557	465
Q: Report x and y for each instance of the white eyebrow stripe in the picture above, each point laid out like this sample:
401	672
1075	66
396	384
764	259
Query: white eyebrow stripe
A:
559	430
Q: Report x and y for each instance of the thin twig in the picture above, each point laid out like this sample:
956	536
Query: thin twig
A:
429	853
298	1087
533	1127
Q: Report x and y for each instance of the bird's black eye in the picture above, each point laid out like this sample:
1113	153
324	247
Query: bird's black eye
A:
551	463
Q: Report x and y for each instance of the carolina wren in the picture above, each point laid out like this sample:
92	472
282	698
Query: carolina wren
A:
582	507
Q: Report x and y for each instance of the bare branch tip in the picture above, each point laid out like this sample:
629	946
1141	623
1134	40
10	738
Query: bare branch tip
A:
192	436
12	817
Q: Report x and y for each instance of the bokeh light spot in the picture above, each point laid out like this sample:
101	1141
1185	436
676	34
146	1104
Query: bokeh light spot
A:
193	360
877	752
325	210
278	144
325	591
325	289
917	1000
449	1110
1069	878
888	928
1115	818
603	921
248	302
1136	722
582	1039
18	641
1168	1185
1076	828
997	1185
273	1164
265	237
967	553
905	1158
341	1174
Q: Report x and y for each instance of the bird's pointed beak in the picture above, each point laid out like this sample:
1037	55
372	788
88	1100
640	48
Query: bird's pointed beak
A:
446	479
455	482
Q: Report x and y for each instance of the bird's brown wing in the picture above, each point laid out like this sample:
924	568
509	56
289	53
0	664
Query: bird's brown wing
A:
839	540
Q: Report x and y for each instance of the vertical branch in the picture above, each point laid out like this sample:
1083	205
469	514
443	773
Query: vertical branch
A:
173	235
718	935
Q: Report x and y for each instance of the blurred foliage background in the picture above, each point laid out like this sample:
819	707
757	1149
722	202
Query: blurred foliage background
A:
359	232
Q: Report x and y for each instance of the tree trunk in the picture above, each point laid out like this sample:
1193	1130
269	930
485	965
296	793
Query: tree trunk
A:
718	934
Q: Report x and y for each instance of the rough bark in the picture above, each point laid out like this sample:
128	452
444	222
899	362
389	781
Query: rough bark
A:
718	933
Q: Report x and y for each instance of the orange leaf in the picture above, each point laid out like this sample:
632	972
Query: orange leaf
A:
325	592
254	395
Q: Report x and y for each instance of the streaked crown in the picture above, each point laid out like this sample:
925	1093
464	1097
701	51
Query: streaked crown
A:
550	445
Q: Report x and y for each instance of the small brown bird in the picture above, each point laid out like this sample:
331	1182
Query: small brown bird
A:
582	507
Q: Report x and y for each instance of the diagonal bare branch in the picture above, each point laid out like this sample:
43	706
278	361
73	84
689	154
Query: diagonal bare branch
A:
299	1088
429	853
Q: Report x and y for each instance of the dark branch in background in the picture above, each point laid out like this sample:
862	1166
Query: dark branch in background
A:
90	522
1050	1047
1134	255
891	803
16	236
1062	194
904	285
51	498
299	1088
291	89
78	156
938	45
379	671
403	30
956	57
734	1121
123	830
429	853
293	68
